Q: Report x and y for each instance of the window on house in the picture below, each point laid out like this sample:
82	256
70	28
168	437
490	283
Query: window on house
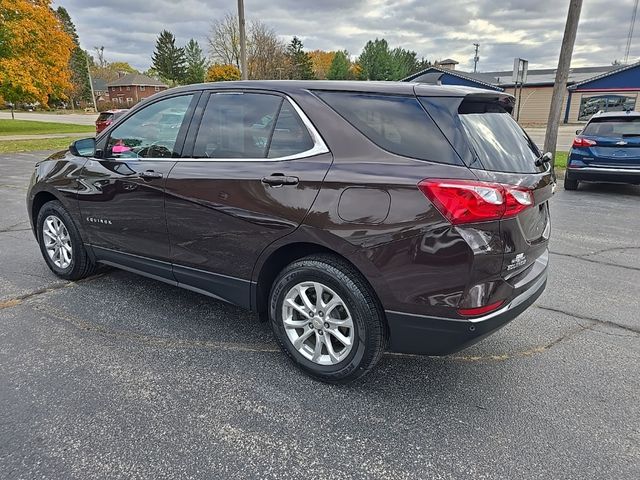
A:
142	88
608	103
128	88
157	89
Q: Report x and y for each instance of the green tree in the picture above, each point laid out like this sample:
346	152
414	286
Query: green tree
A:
375	61
196	63
169	60
403	63
340	65
80	88
300	63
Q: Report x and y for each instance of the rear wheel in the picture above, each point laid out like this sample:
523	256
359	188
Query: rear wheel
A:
570	183
327	319
60	243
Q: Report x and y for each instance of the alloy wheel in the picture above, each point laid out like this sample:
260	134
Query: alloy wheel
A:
318	323
57	241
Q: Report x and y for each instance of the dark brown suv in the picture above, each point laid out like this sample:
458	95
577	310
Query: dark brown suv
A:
354	216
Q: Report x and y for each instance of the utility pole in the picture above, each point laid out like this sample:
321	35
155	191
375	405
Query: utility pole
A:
476	58
93	94
243	41
562	74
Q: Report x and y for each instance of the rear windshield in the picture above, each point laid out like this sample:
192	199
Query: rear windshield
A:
613	127
498	142
104	116
395	123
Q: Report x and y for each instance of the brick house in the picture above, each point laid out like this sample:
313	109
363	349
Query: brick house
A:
129	89
100	90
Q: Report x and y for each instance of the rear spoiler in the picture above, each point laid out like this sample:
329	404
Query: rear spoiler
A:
505	100
468	95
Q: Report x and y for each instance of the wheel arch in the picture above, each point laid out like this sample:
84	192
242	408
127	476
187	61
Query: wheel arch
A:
277	259
39	199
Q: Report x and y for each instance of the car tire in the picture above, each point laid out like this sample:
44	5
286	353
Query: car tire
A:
61	244
353	327
570	183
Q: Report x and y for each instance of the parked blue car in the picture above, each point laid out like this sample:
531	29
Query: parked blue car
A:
606	150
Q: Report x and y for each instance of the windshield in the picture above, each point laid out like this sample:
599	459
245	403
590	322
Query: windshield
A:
499	143
613	127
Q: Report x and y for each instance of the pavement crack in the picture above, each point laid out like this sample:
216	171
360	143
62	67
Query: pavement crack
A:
87	326
606	250
599	262
12	302
10	228
593	320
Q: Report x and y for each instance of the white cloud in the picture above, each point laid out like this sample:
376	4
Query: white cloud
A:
435	30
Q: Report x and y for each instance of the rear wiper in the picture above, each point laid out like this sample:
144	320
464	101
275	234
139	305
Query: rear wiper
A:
544	158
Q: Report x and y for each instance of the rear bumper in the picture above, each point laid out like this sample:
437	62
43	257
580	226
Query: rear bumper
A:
424	335
605	174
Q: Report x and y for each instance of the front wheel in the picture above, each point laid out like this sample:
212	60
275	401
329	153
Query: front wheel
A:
327	319
61	244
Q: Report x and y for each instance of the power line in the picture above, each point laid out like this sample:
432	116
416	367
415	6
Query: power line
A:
630	36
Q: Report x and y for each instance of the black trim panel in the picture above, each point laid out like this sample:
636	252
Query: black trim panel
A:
135	263
221	287
230	289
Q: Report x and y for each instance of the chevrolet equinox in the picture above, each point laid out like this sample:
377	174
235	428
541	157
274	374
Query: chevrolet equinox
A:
355	217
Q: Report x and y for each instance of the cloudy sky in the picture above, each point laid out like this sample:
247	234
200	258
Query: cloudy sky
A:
435	29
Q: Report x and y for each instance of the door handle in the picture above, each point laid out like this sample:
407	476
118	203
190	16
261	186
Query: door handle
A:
278	180
149	175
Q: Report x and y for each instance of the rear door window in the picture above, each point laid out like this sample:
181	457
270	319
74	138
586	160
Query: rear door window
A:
395	123
237	125
290	135
496	139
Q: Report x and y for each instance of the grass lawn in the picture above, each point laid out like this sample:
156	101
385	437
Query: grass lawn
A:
9	146
28	127
561	160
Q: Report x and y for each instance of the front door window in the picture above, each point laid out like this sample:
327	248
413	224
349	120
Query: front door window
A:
151	132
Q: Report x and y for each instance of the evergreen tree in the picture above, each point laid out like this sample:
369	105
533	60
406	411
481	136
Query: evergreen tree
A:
196	63
81	89
300	63
339	69
375	61
403	63
169	60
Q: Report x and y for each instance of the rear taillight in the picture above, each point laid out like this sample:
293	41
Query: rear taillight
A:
583	142
470	201
474	312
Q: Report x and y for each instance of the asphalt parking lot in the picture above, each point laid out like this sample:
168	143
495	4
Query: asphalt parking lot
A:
118	376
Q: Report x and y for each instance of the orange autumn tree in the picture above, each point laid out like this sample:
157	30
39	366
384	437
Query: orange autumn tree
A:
34	52
222	73
321	61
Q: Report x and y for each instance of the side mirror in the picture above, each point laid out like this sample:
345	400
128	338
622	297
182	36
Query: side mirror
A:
578	132
85	147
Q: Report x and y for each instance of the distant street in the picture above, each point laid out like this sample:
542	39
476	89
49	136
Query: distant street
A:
74	118
566	133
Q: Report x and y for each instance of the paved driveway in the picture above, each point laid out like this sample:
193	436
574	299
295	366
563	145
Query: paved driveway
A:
119	376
